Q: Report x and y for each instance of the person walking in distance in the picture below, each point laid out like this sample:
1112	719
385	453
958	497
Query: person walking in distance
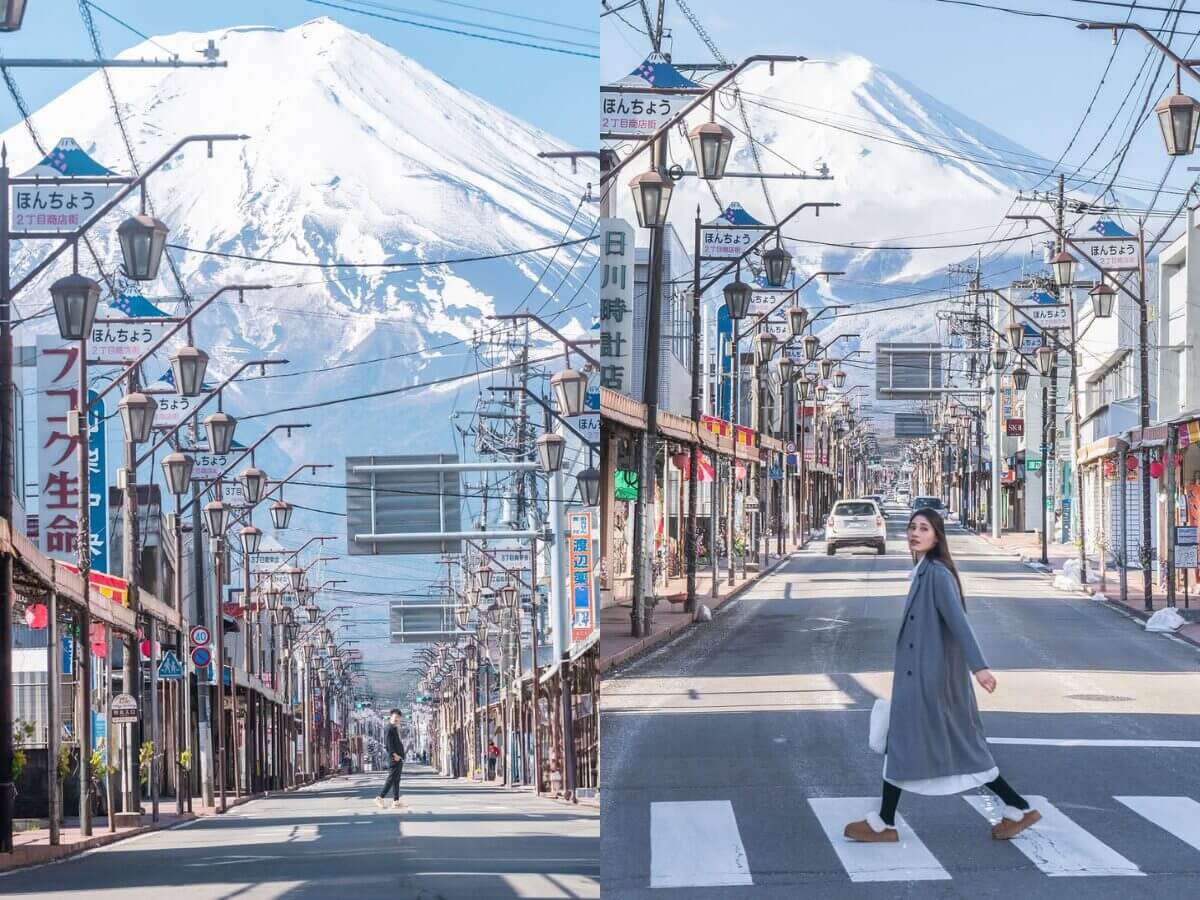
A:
493	755
395	755
935	740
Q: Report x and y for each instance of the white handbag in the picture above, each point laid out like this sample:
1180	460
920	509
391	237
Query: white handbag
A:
881	714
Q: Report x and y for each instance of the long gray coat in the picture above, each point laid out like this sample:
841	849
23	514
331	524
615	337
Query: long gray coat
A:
935	728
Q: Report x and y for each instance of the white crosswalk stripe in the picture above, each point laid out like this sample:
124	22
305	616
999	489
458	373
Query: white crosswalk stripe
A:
906	860
1058	845
696	844
1179	816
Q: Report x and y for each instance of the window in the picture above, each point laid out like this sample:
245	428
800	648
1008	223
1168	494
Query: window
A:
859	508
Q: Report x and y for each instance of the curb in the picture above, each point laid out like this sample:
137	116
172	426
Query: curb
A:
671	631
47	853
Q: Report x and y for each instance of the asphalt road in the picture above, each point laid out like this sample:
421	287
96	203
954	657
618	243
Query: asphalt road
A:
734	756
450	840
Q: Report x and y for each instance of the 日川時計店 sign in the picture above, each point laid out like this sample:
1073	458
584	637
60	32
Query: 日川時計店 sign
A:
1113	254
616	305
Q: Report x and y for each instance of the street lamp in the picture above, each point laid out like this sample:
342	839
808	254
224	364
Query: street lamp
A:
462	615
839	379
483	576
137	416
999	357
826	368
812	344
142	240
778	263
296	577
216	514
589	486
177	468
802	388
1045	359
220	426
1020	377
1063	265
550	450
188	365
254	484
11	14
785	368
570	390
1016	334
710	145
651	198
822	390
75	298
1178	116
765	347
251	539
737	298
797	319
1102	300
508	595
281	514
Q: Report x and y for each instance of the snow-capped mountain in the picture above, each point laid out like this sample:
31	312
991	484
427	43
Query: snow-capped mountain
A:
355	153
907	170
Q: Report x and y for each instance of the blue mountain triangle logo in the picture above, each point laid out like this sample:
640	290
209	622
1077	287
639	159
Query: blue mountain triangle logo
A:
1108	228
1044	297
735	214
68	159
656	72
135	306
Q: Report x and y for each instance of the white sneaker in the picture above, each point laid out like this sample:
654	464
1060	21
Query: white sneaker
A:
396	804
380	802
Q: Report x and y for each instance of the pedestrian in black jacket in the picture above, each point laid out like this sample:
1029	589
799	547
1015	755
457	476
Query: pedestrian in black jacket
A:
395	755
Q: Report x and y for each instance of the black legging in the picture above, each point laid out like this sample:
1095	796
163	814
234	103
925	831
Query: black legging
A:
393	780
999	787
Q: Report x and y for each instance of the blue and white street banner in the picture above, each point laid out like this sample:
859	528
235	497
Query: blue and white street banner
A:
730	234
1110	247
97	482
633	106
124	342
60	205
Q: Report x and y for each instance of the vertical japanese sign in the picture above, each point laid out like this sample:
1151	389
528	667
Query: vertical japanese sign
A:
582	614
616	304
58	478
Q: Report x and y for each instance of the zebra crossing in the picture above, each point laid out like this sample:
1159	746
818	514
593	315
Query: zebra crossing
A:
698	843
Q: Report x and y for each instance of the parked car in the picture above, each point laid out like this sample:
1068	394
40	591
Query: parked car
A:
934	503
855	523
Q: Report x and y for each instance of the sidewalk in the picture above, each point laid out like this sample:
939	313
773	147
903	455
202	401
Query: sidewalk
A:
33	847
1029	547
616	643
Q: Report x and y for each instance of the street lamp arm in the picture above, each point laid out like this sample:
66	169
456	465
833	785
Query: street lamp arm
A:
497	562
1016	307
1070	243
773	230
171	333
111	204
795	292
243	513
571	345
698	101
199	406
1184	64
244	454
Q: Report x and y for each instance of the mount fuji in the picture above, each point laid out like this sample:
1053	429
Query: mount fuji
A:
356	154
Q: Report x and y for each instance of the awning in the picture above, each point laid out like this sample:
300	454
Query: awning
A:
1145	438
1100	449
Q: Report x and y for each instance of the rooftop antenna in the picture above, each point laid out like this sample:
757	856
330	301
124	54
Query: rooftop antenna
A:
211	53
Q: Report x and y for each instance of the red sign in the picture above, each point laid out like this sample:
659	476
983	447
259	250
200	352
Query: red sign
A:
1014	427
110	586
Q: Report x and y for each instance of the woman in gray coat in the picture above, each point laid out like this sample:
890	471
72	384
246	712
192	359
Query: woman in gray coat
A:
935	741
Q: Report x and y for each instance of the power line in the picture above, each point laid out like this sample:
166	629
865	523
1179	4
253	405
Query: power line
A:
482	37
299	263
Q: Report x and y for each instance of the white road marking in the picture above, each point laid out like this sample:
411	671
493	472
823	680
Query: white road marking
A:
1094	742
906	860
1058	845
1179	816
696	844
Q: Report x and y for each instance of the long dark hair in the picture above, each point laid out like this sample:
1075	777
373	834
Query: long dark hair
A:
940	550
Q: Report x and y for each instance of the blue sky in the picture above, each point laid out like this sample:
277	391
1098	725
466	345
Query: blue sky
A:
1028	78
541	87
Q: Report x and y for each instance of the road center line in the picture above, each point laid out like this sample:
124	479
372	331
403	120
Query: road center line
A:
1096	742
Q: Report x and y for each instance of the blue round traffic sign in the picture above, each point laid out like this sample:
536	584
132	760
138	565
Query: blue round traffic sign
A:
201	657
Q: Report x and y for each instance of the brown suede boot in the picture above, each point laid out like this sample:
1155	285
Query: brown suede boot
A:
872	830
1014	822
